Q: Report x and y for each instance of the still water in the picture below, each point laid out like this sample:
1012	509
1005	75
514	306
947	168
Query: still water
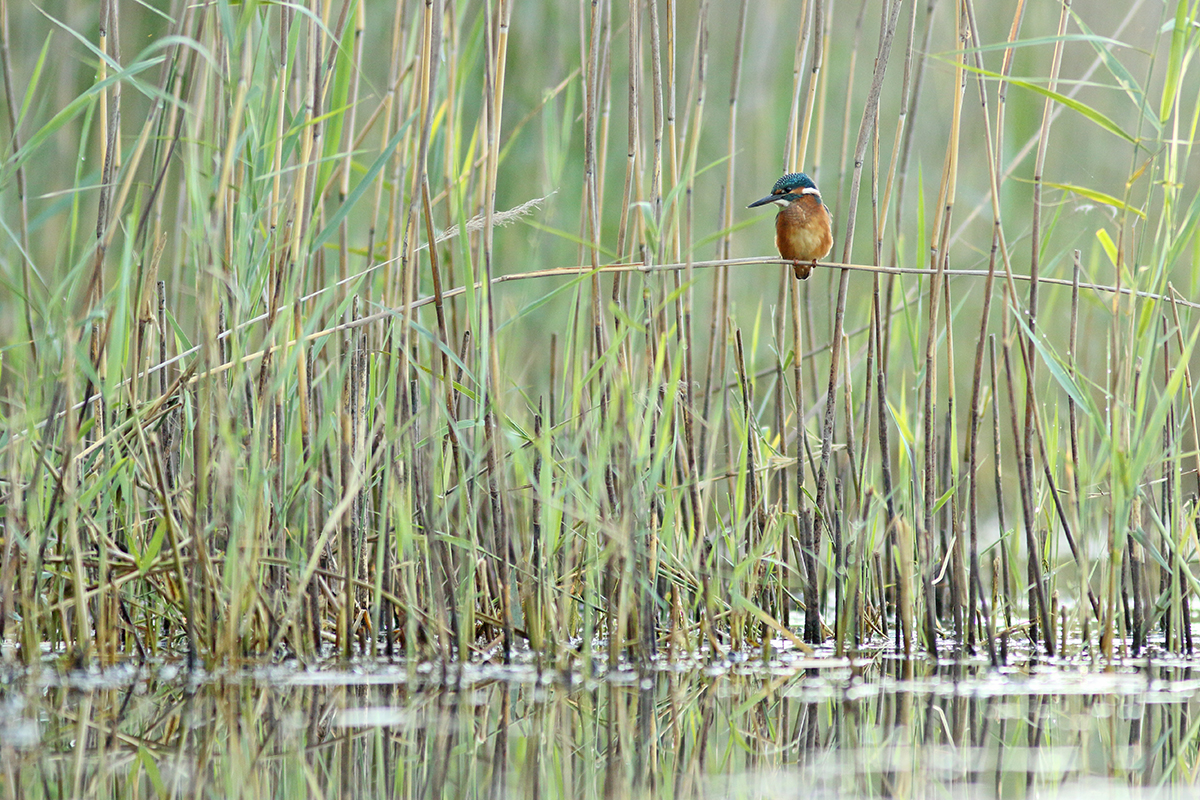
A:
794	727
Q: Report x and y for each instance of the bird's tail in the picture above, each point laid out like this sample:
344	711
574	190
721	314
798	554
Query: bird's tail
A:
802	269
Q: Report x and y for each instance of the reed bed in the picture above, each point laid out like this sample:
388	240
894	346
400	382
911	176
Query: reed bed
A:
438	331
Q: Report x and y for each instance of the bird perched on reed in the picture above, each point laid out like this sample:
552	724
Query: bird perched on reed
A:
804	226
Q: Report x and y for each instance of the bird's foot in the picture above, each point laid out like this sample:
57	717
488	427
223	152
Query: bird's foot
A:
802	270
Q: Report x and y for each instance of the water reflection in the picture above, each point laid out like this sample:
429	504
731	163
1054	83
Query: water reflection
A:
877	728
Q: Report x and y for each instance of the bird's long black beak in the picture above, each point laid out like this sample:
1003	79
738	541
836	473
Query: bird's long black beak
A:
768	199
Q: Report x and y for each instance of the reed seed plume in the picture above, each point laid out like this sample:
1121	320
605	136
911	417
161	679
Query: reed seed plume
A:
499	219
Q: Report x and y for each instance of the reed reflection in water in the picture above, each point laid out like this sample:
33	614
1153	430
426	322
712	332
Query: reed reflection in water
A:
883	728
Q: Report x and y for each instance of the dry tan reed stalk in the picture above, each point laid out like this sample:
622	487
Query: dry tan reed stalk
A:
110	150
892	573
975	411
938	255
881	61
495	105
723	249
1037	587
719	336
880	336
590	233
800	121
1031	308
780	395
1169	579
852	455
430	58
690	458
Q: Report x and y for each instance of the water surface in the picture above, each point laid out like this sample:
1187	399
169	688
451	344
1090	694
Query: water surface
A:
874	726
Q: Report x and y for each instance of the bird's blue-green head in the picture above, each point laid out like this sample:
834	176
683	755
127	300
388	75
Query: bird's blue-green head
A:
788	189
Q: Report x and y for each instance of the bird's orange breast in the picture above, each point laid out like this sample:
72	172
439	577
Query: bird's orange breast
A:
803	230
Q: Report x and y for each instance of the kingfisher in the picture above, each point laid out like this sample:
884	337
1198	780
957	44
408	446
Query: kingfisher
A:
803	226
